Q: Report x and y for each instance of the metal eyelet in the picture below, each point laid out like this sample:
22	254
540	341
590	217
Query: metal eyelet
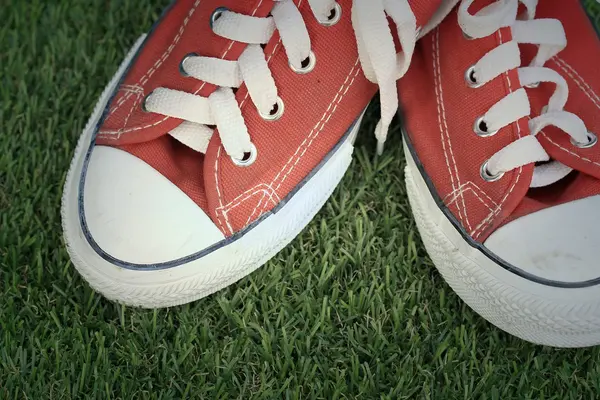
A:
143	103
481	129
533	85
216	14
470	78
276	112
487	176
248	158
307	65
181	64
593	139
334	16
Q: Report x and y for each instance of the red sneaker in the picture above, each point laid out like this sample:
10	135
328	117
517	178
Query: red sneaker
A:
503	171
222	134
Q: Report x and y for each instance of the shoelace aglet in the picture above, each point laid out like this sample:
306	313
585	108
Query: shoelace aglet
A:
381	132
380	146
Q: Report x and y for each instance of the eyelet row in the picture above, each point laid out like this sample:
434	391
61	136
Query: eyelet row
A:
481	129
306	66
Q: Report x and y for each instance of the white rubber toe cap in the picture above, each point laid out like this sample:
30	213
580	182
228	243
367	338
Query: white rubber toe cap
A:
560	243
138	216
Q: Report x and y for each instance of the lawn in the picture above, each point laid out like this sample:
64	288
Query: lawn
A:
352	309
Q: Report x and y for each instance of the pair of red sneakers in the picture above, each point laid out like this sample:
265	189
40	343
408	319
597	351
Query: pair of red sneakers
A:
229	125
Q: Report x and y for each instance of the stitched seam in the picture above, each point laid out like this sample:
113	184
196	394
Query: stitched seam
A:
589	93
239	199
241	108
568	151
131	87
219	194
135	103
474	185
275	48
314	133
144	79
583	85
256	208
129	90
443	126
322	123
225	211
323	117
167	53
470	189
483	225
452	197
116	134
122	101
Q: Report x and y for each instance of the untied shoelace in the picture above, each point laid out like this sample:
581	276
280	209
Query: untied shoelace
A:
201	115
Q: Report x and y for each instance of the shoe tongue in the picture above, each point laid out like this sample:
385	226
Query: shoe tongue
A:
184	28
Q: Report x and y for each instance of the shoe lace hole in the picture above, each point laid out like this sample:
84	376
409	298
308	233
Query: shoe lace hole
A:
306	65
334	16
487	175
248	158
481	128
592	140
276	111
182	70
470	78
216	14
144	105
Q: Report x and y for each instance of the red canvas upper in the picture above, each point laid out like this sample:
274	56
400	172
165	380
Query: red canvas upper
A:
440	110
319	108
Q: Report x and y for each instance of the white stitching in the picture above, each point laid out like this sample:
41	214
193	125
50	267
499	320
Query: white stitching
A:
589	92
470	185
219	152
226	210
116	134
128	92
265	192
466	190
219	194
232	204
568	151
275	48
489	219
442	119
314	133
322	123
144	79
256	208
163	58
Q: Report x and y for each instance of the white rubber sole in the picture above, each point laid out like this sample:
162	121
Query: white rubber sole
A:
205	275
560	317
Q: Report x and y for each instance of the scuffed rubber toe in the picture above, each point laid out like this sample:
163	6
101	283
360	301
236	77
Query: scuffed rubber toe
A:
136	215
560	243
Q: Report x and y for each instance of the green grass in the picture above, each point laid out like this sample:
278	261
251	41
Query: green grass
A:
352	309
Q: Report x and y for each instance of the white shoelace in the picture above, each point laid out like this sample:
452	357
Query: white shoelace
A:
201	115
550	37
